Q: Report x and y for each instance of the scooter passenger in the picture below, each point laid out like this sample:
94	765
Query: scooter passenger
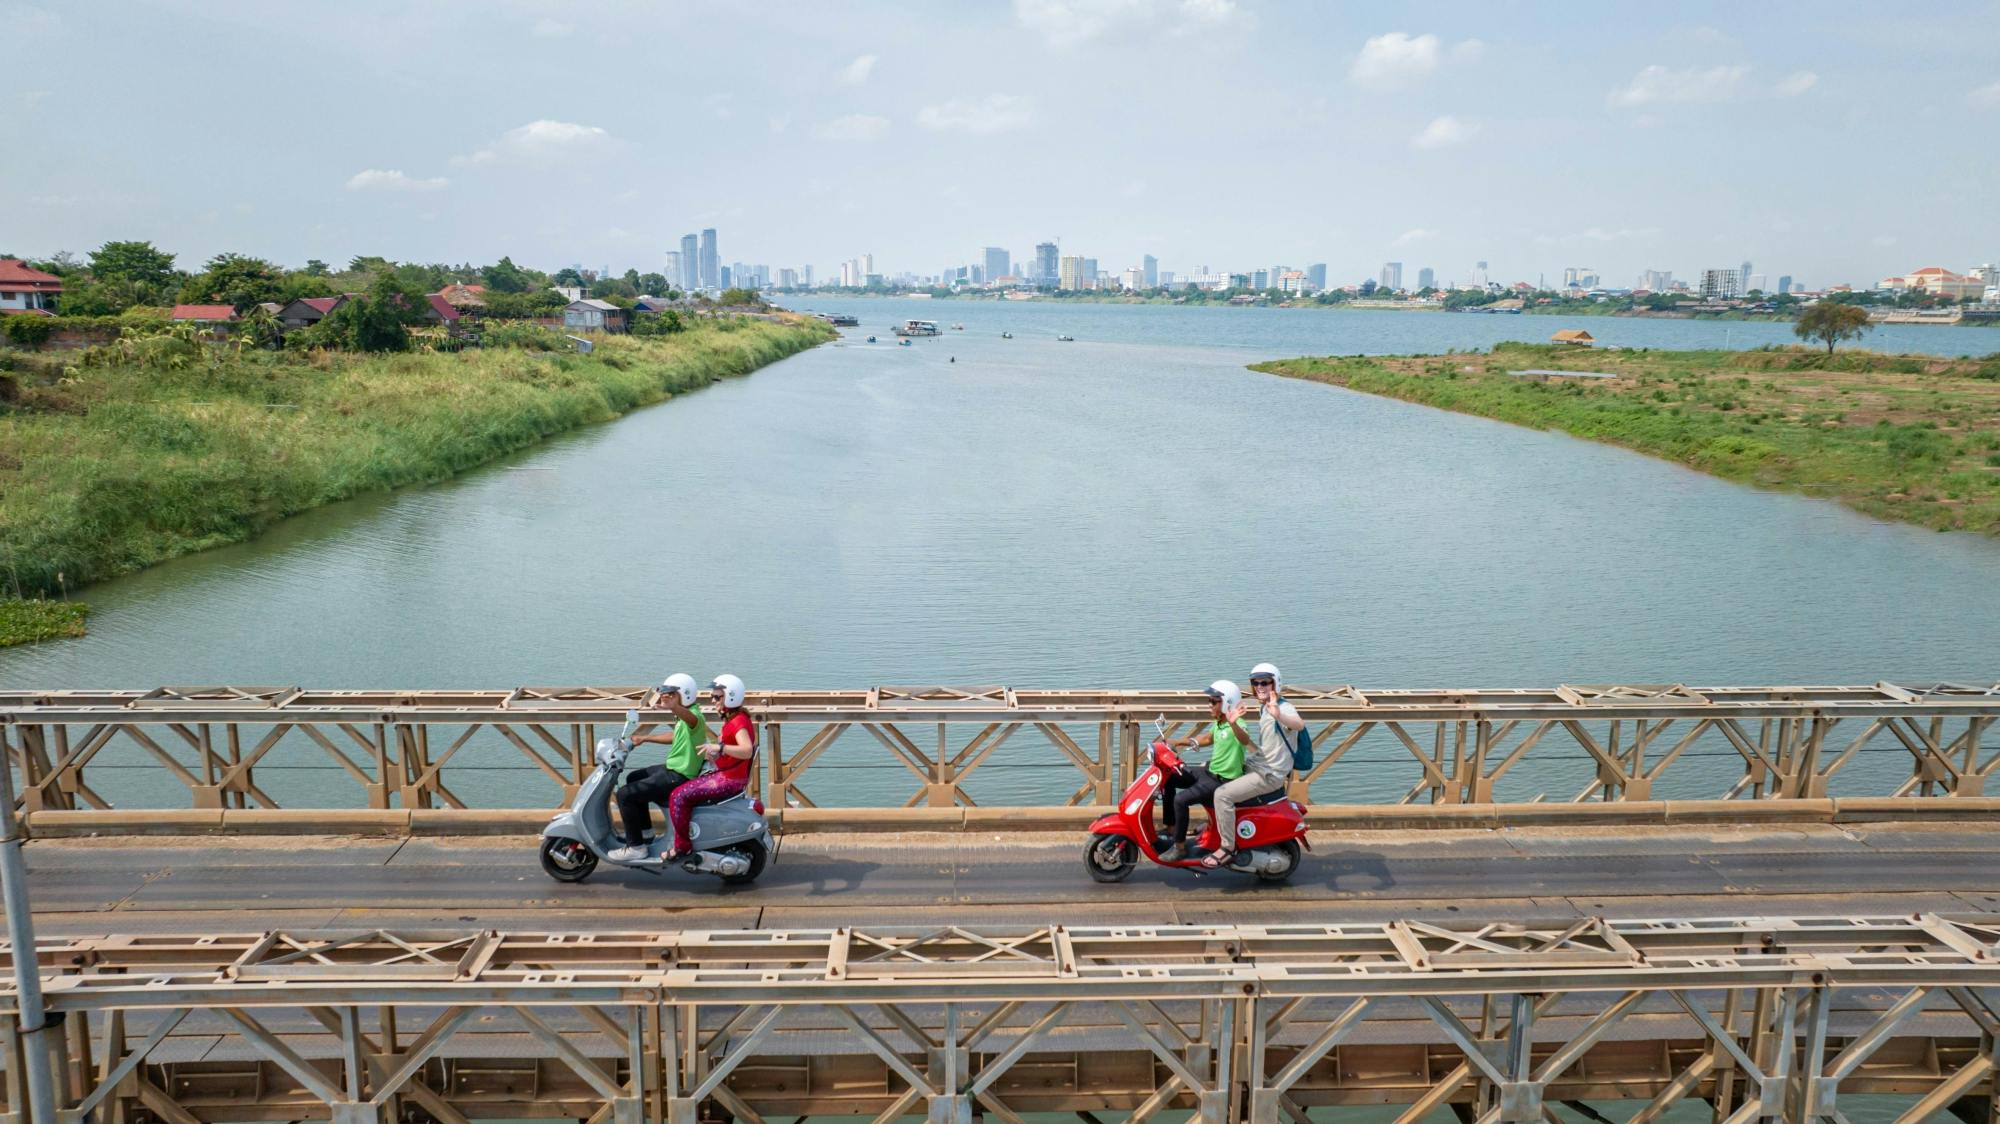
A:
1225	764
1268	767
731	757
655	784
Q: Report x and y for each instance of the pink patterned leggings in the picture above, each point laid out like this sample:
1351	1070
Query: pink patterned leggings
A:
705	789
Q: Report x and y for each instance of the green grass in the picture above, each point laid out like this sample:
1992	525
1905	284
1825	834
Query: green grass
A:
24	622
1909	438
110	468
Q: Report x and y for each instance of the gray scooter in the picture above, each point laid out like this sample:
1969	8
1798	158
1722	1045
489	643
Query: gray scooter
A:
730	837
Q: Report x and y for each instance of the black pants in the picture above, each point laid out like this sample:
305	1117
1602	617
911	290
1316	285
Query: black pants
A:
1181	795
650	785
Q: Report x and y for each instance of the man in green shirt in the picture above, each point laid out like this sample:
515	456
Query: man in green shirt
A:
654	783
1225	763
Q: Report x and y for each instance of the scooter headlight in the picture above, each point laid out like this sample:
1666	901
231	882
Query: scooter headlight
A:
609	751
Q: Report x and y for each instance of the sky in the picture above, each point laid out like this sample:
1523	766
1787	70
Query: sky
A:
1831	142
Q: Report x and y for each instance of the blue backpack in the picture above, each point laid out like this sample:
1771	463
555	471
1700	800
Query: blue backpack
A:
1302	752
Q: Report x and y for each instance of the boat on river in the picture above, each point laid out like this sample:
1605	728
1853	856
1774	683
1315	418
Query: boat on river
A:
918	328
1006	335
1066	339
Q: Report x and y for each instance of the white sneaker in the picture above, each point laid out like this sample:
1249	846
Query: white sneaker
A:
628	854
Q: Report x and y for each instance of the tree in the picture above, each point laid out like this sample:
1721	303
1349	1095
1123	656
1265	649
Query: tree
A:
137	262
653	283
506	277
316	268
1830	322
1368	287
568	278
380	321
235	280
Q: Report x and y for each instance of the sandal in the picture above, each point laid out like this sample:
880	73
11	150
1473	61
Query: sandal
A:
1216	860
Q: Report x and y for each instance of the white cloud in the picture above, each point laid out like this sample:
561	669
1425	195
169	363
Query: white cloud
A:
1072	23
994	113
547	28
1797	83
1987	97
1443	132
1657	84
377	180
541	142
1397	59
1415	234
857	72
853	127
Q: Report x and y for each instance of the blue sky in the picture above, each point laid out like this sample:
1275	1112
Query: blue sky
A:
1833	142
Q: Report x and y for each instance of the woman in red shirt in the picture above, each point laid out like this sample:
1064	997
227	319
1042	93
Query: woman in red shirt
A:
730	756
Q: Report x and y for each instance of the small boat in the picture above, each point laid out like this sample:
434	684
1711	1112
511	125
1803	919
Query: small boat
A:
871	339
1066	339
958	327
1006	335
902	343
918	328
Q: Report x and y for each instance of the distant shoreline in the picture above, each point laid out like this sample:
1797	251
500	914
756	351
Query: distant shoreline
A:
1342	306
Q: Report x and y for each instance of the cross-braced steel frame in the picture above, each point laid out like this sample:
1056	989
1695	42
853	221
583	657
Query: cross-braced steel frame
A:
1762	1019
422	749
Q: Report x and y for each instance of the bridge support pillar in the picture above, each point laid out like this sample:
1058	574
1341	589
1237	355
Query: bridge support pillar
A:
354	1112
951	1109
683	1110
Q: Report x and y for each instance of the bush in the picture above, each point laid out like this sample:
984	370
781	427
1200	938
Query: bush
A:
24	622
527	337
28	331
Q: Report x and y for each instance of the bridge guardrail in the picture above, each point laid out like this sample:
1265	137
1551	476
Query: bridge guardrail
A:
249	747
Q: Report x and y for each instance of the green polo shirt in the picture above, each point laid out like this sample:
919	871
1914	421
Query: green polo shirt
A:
1226	761
684	756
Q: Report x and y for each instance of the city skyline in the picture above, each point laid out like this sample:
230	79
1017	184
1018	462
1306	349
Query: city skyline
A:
1373	136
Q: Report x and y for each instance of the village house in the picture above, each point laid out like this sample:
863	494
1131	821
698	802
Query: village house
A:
1574	336
204	313
24	290
594	316
461	295
307	311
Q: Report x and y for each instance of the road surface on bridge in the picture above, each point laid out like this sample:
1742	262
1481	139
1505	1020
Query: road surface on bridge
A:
238	883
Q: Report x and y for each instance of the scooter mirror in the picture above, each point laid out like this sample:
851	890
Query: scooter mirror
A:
631	722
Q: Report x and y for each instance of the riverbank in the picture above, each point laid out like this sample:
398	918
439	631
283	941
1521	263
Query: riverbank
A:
1913	438
115	467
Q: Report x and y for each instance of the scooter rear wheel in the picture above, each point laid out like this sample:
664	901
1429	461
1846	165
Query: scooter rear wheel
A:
754	850
1293	854
1110	858
567	860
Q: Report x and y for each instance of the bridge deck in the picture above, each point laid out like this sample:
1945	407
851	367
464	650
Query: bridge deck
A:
209	884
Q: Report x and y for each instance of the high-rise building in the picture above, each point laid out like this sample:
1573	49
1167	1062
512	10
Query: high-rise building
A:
1260	279
1045	264
723	279
1656	280
1316	276
711	275
1069	272
690	277
1149	271
673	270
1166	279
1743	280
806	275
1720	284
1133	278
1427	278
1479	274
998	264
1392	275
1784	283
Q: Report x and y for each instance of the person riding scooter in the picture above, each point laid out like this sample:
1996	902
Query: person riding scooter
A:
655	784
1181	793
731	757
1270	763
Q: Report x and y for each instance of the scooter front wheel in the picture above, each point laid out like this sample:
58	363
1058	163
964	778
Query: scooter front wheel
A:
567	860
1109	858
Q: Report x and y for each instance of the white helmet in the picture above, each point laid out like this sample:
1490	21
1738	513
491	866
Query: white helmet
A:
731	688
1267	669
1226	693
679	683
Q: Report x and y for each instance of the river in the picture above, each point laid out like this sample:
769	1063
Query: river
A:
1130	509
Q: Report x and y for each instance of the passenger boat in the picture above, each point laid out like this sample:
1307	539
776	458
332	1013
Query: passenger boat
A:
958	327
1066	339
918	328
1006	335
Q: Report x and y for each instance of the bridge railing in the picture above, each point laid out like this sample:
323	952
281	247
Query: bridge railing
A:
1763	1018
946	747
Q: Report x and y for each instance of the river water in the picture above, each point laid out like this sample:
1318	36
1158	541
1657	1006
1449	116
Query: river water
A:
1130	509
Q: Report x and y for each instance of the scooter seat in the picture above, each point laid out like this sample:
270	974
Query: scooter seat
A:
1268	798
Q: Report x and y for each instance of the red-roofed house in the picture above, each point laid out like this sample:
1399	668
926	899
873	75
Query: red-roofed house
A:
1935	279
442	312
27	290
462	295
307	311
205	313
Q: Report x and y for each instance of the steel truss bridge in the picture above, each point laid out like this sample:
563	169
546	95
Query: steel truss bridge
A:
432	754
1762	1019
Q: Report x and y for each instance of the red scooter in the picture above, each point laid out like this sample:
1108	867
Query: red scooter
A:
1270	830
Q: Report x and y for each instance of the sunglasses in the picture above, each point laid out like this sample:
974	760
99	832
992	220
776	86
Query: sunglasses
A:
1263	682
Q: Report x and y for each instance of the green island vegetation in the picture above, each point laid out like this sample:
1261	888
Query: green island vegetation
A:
1913	438
146	438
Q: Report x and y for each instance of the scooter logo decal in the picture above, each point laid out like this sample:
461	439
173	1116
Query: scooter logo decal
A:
1245	830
